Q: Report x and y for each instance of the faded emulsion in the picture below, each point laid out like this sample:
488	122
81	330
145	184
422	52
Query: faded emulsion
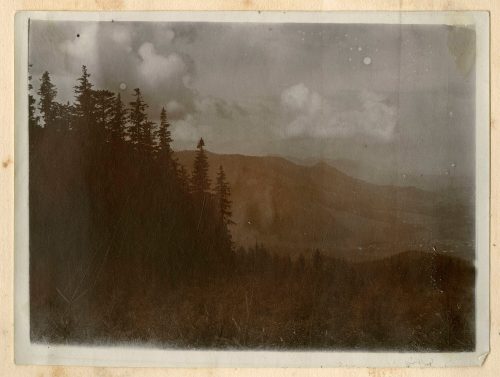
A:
240	186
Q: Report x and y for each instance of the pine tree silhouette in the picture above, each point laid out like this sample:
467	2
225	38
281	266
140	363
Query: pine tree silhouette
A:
47	93
85	109
200	183
104	101
164	136
140	131
222	194
118	246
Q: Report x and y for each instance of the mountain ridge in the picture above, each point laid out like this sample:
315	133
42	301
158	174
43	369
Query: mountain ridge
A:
380	176
294	209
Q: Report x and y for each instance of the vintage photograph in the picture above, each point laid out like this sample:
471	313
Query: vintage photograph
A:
252	186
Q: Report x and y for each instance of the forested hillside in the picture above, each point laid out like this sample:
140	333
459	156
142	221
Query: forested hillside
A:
294	208
127	244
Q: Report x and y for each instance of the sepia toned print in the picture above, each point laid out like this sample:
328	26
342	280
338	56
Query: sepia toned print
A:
253	186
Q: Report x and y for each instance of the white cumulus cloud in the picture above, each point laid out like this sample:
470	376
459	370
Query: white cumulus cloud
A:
307	114
299	98
156	68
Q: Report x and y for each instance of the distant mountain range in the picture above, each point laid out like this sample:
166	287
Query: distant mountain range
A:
295	208
380	176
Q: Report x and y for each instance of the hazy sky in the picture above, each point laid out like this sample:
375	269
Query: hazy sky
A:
397	97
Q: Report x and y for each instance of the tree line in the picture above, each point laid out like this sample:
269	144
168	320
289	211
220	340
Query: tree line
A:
108	195
99	116
126	245
102	129
103	172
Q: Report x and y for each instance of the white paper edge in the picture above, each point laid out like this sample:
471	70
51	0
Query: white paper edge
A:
129	356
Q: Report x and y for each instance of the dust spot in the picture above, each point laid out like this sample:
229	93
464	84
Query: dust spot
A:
110	4
6	162
493	124
462	47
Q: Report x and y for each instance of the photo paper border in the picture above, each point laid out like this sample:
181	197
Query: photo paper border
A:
27	353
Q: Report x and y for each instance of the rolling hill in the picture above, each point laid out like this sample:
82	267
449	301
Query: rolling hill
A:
294	209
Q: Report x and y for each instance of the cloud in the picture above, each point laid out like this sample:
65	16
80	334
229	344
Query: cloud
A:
175	110
83	45
122	36
187	80
300	99
222	124
162	36
307	114
165	34
217	107
376	117
156	68
184	133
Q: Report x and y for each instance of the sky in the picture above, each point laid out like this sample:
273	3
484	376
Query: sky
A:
395	97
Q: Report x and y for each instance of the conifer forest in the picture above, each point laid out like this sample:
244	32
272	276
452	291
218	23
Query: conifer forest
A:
134	242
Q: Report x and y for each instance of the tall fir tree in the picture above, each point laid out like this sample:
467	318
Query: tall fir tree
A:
104	102
118	121
85	105
140	131
47	93
200	183
164	135
164	149
222	194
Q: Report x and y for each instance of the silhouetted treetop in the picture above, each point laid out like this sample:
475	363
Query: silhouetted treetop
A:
140	131
200	183
84	101
47	93
104	106
164	135
107	153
